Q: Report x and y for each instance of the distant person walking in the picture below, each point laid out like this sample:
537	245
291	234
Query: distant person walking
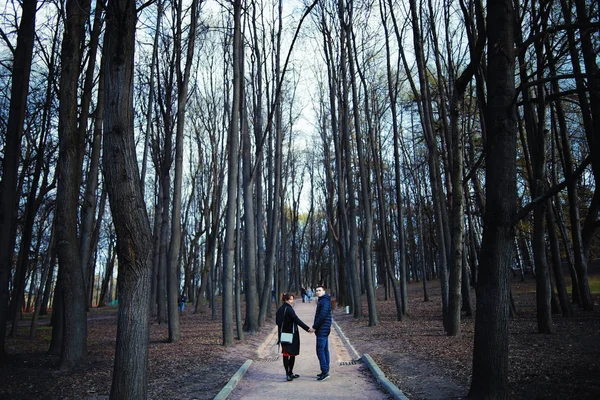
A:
322	328
287	322
309	294
182	300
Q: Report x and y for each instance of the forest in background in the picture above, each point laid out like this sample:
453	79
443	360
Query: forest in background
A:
245	149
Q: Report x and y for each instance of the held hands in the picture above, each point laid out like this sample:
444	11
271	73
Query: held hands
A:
311	330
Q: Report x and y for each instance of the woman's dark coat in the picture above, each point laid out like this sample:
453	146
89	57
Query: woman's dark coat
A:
287	321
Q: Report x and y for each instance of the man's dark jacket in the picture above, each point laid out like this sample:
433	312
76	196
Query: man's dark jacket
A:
322	324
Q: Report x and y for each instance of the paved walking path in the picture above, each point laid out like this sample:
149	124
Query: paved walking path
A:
265	376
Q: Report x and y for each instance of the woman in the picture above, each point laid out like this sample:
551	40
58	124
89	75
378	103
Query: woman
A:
288	321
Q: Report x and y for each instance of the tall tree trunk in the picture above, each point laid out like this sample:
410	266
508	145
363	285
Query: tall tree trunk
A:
130	373
337	233
351	230
426	114
88	206
536	142
274	181
490	352
248	180
590	113
12	151
67	196
367	234
457	223
232	178
183	78
33	203
393	94
258	127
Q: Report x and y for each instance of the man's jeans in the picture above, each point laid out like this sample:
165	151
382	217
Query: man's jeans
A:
323	353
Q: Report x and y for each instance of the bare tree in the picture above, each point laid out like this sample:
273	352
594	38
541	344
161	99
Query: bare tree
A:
130	374
490	353
232	178
183	79
69	179
23	54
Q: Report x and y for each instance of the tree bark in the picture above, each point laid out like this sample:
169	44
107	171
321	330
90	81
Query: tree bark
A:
590	113
439	205
12	150
490	353
130	373
232	178
248	180
88	206
67	197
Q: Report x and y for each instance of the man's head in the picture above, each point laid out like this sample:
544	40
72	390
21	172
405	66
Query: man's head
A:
320	290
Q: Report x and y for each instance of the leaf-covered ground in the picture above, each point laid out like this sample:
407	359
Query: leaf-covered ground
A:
419	358
414	353
196	367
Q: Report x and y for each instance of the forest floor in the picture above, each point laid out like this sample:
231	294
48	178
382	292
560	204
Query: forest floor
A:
414	353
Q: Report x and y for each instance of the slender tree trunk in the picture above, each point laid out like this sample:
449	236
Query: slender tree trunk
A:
183	78
426	114
457	246
387	258
490	353
536	142
367	235
393	94
351	231
250	248
258	128
12	150
233	146
108	276
150	107
31	210
130	373
337	234
46	269
88	206
561	287
67	197
590	113
274	177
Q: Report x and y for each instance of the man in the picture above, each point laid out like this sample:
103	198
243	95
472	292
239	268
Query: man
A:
322	327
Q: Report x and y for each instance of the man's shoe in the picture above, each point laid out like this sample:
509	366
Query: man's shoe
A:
289	378
323	377
294	376
319	375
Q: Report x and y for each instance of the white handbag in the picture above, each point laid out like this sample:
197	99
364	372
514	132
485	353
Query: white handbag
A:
286	337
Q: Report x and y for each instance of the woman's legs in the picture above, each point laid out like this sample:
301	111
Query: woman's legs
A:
286	364
291	365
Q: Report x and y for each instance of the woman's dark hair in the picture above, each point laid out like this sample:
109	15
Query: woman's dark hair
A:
286	296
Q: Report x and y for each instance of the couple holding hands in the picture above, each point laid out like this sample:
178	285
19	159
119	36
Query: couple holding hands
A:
288	322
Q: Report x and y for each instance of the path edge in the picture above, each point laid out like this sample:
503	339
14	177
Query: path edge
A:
392	389
228	388
382	379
